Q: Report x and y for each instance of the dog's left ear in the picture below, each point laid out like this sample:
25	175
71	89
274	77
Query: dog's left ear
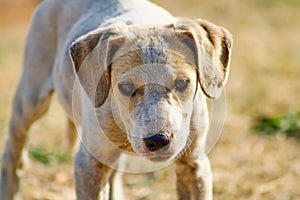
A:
211	45
92	55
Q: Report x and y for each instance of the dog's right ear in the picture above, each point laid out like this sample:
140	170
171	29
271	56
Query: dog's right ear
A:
212	46
92	55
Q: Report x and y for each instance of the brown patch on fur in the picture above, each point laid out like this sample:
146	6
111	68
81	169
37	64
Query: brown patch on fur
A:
185	70
225	53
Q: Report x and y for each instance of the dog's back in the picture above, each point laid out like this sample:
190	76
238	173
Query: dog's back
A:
70	19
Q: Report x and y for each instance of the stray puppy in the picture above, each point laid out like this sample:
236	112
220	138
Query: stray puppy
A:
143	78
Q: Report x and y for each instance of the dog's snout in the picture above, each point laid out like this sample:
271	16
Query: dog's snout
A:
158	141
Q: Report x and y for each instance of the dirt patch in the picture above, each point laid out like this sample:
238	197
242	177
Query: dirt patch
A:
16	13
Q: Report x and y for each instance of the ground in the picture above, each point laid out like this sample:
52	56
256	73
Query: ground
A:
264	81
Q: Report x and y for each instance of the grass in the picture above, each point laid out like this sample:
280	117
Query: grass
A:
47	157
288	124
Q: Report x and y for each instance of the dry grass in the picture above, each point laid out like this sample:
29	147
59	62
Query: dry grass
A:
264	80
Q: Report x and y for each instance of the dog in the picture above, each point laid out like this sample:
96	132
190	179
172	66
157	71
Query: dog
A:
142	79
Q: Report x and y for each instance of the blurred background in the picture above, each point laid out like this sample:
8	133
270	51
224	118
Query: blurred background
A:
258	153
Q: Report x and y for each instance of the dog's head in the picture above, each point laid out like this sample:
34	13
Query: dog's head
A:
153	74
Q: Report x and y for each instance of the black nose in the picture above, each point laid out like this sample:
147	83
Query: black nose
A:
158	141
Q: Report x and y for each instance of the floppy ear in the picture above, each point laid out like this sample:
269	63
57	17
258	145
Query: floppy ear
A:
211	45
92	55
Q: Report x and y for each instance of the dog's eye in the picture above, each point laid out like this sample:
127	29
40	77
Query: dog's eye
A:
181	84
126	88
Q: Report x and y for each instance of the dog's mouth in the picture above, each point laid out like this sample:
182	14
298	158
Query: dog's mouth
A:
160	157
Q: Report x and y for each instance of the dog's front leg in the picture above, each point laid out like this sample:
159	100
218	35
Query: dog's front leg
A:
91	177
194	179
